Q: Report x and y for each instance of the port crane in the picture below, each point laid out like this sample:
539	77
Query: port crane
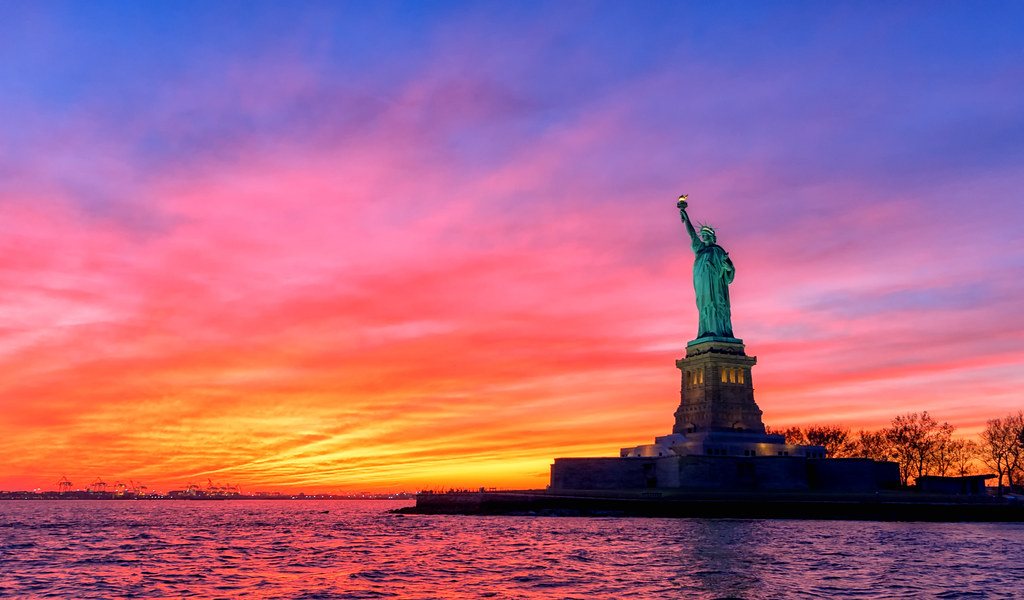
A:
137	489
63	486
99	485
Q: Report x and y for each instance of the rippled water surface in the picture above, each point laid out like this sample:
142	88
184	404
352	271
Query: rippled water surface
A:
354	549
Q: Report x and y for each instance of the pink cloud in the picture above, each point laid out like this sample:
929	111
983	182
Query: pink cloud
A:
396	300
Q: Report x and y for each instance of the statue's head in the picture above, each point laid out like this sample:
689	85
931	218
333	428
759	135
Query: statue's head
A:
707	234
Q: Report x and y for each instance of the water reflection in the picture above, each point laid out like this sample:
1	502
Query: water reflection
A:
724	559
351	549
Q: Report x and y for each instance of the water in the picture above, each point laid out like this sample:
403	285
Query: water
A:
352	549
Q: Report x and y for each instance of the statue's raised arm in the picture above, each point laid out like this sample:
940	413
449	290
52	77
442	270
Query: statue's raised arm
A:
694	240
713	271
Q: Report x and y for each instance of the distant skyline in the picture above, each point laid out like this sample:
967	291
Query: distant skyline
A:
384	246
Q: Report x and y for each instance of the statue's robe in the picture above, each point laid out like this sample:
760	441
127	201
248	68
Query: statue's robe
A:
713	271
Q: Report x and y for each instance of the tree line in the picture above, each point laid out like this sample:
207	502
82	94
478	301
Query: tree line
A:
923	446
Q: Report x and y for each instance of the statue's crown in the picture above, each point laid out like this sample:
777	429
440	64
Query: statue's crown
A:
709	228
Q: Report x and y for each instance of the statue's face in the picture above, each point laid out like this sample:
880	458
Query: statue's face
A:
707	237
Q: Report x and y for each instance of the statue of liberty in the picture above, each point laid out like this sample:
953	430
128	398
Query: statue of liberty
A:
713	271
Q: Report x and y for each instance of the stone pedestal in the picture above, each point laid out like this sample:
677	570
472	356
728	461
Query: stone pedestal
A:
717	415
717	392
718	441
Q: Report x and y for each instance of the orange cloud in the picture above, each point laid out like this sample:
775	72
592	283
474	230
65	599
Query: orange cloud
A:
284	280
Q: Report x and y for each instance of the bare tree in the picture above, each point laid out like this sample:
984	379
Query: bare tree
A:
997	448
1020	449
872	444
835	438
916	441
1015	462
961	454
793	434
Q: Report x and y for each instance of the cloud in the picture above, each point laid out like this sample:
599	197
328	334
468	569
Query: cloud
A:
278	266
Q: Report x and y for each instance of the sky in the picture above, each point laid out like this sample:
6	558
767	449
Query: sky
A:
383	246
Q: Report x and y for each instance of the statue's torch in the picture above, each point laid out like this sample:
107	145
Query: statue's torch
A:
682	202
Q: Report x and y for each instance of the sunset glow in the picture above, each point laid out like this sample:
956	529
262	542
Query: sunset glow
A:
378	246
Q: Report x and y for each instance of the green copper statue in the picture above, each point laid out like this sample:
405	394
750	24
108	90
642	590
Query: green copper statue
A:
712	273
